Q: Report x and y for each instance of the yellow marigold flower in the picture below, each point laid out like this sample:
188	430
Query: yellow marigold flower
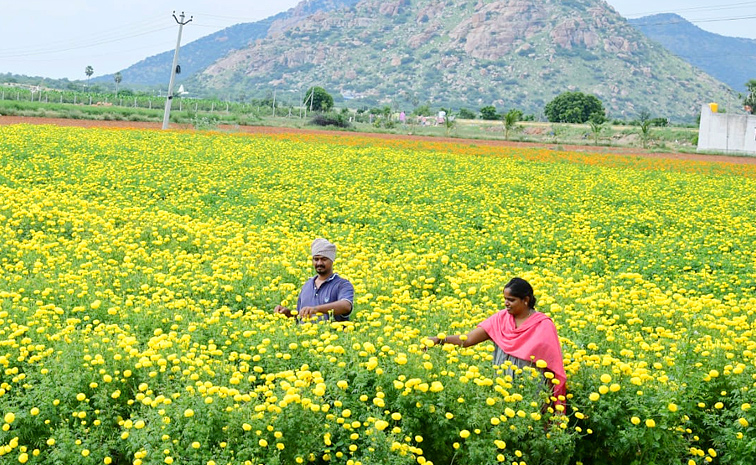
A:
672	407
464	434
635	420
188	413
594	396
606	378
650	423
10	417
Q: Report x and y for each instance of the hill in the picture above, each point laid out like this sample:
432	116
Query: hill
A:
201	53
464	53
728	59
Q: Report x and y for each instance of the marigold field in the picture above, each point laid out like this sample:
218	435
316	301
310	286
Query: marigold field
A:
139	270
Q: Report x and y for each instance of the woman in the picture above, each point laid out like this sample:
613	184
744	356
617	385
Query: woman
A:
521	334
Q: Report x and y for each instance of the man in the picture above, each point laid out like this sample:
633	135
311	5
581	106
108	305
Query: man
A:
326	293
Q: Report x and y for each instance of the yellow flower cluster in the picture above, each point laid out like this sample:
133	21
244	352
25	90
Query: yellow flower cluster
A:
139	269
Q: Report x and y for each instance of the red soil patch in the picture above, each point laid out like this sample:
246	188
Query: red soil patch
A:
630	151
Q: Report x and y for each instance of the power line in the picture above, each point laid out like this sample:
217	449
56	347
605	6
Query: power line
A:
728	6
41	51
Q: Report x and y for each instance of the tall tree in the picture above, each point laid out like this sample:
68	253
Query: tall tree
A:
573	107
89	71
318	99
117	78
510	121
489	113
750	100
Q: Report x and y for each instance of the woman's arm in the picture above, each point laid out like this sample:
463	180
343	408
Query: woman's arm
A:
476	336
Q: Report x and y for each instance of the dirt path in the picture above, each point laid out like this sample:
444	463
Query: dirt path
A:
630	151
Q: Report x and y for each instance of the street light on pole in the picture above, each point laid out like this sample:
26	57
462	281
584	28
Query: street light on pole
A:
174	67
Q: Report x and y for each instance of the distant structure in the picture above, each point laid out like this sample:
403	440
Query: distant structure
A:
728	133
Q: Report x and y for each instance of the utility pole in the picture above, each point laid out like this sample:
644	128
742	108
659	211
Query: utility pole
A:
169	98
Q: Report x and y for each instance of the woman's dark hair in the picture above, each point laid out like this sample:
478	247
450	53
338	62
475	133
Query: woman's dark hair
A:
520	288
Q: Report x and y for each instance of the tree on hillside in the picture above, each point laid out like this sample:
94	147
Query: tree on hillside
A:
317	99
117	78
750	101
573	107
489	113
89	71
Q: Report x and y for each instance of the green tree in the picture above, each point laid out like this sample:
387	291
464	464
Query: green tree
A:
317	99
450	120
750	100
422	110
89	71
573	107
510	121
644	122
489	113
117	78
597	126
464	113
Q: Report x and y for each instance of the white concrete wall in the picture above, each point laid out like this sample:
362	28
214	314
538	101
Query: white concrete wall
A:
722	132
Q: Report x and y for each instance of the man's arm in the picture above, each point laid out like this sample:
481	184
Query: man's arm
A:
283	310
340	307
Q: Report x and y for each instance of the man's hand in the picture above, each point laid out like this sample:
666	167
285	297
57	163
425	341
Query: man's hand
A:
282	310
308	312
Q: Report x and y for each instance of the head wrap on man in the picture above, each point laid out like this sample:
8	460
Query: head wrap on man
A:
323	248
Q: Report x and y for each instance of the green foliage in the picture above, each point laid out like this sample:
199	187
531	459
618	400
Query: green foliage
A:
422	110
489	113
750	100
573	107
340	120
510	121
317	99
464	113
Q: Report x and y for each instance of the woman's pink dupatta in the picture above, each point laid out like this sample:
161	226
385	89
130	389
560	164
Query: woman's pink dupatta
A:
536	339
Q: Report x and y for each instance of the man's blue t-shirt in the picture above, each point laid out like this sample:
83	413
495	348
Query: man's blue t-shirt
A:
333	289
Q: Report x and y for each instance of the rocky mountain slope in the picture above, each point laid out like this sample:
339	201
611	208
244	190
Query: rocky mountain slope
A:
468	53
199	54
729	59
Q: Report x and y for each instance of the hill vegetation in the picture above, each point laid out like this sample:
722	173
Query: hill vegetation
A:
720	56
469	54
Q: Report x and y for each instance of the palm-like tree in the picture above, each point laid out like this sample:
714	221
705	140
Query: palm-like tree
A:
117	78
89	71
750	100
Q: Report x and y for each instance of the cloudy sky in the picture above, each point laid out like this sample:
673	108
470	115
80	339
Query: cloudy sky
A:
55	38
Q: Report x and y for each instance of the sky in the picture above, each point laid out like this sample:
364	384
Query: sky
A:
59	39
